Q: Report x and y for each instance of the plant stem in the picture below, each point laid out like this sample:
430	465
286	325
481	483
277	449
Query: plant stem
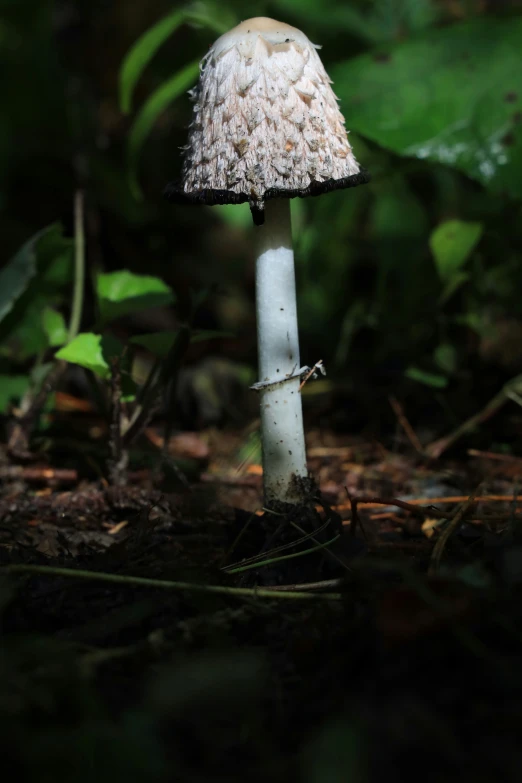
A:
79	266
282	431
139	581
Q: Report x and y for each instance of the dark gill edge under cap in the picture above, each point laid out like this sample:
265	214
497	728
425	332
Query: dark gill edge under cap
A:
174	192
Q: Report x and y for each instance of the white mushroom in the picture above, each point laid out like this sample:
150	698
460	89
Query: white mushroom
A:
264	101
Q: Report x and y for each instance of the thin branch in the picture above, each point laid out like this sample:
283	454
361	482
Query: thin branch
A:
139	581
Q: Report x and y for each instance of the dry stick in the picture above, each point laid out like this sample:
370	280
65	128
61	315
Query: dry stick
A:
18	445
448	531
405	424
492	455
436	448
317	366
416	506
139	581
356	520
308	586
39	473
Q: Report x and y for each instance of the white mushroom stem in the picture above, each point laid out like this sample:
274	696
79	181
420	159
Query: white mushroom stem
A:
282	432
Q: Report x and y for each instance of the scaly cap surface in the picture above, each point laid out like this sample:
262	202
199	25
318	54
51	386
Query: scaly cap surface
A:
266	122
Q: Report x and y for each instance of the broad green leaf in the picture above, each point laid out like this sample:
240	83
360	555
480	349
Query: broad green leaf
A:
86	350
432	379
12	388
48	256
54	327
16	276
452	95
451	244
149	113
148	44
160	343
121	293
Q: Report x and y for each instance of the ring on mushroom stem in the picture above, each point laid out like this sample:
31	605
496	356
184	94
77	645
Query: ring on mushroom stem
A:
267	128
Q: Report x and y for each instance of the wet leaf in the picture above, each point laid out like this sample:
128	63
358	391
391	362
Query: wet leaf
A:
445	97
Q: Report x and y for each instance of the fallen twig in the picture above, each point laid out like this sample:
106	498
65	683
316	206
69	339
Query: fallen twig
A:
436	448
416	506
39	473
165	584
405	424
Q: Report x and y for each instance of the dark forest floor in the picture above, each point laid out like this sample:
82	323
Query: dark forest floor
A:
401	659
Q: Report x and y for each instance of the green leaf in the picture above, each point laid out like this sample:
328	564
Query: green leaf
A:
54	327
160	343
12	388
149	113
446	358
451	244
439	97
148	44
86	350
432	379
48	256
121	293
16	276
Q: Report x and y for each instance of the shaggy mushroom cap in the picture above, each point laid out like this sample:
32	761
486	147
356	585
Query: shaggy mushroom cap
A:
266	122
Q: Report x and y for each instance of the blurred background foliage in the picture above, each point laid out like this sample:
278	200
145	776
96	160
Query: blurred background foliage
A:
408	285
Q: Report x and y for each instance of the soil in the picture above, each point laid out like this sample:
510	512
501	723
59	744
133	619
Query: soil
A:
391	647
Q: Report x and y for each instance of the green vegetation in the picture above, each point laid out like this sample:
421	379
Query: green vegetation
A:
408	290
410	279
